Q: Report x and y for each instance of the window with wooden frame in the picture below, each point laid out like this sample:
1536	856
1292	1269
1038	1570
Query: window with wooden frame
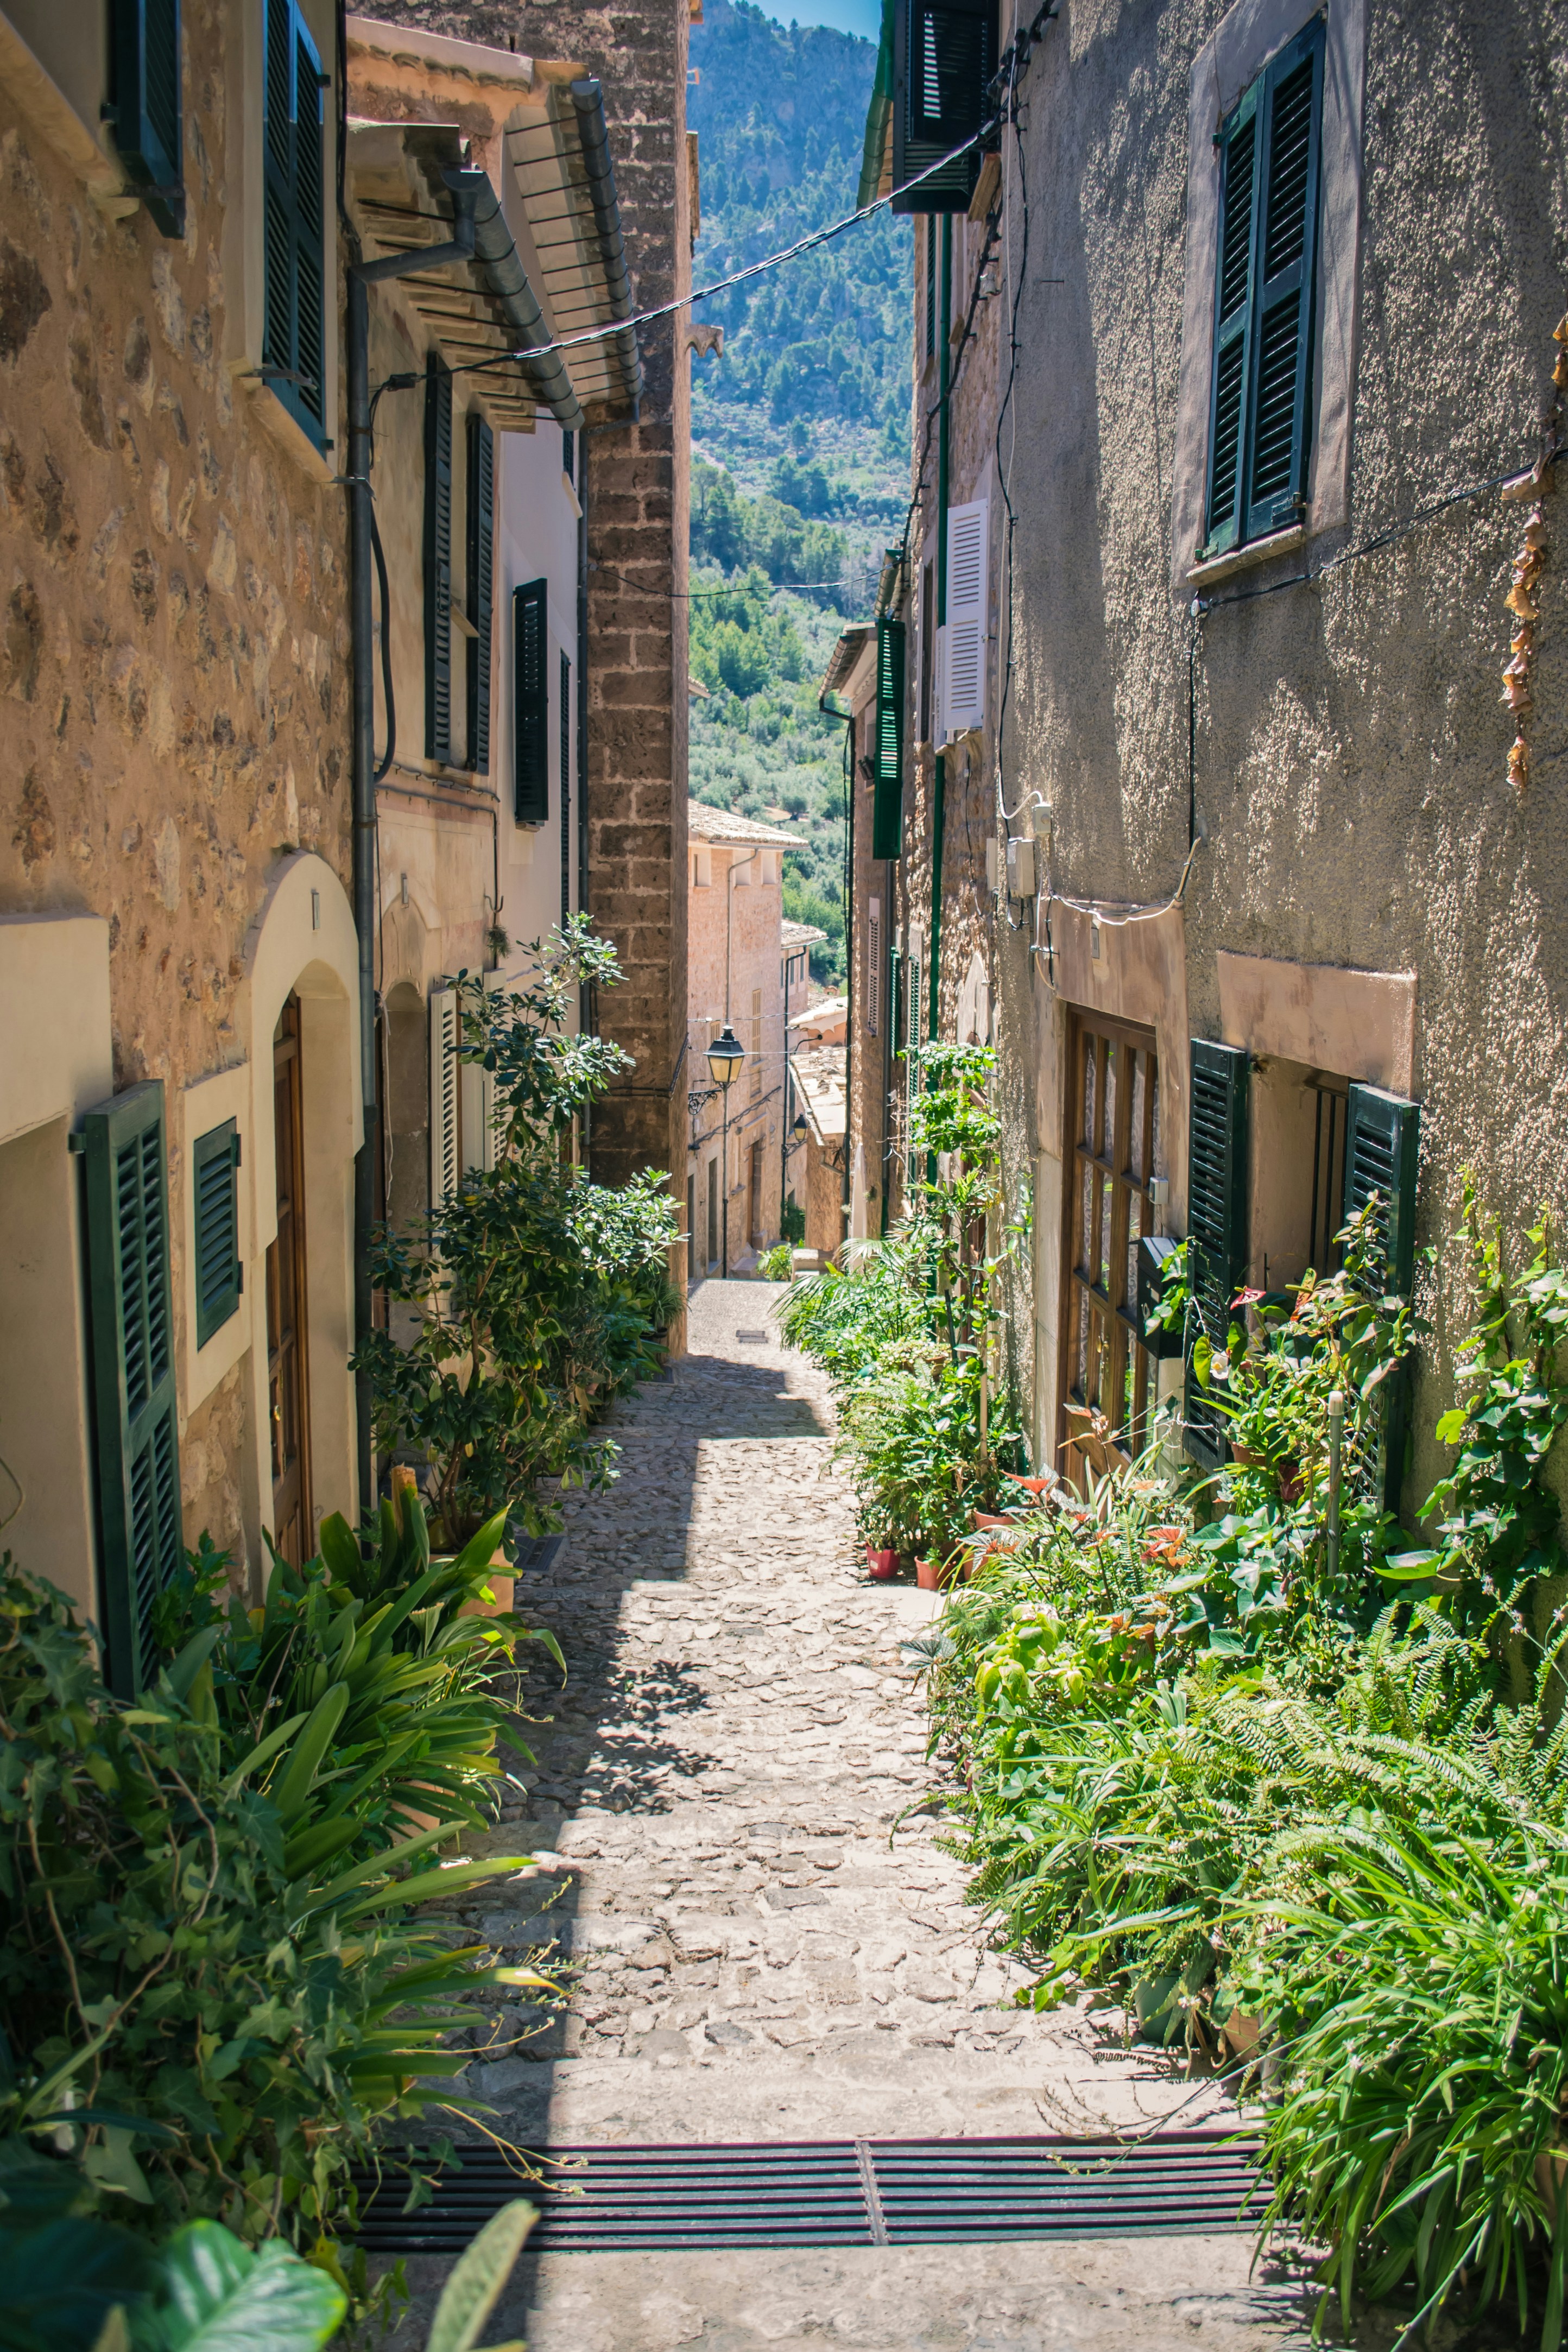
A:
530	704
288	1304
756	1043
888	751
1107	1385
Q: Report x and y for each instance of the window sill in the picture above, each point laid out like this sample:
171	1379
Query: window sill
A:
275	420
43	104
1242	559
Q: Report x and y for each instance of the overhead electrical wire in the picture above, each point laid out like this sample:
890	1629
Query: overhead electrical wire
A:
722	285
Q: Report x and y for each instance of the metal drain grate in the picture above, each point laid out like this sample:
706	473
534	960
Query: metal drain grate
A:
840	2193
753	1339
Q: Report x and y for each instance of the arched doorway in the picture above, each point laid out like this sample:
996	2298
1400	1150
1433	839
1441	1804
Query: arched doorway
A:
288	1314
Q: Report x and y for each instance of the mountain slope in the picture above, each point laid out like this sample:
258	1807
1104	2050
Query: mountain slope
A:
801	431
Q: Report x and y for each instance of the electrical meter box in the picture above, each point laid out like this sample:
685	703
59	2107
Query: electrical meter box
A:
1021	867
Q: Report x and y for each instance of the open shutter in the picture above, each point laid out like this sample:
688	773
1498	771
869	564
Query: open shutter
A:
481	573
293	352
963	641
144	68
530	704
1381	1150
215	1199
437	558
944	57
445	1081
1216	1220
1290	114
874	968
887	801
564	792
135	1415
1262	372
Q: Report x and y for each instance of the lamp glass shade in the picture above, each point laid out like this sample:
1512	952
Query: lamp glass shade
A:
799	1128
725	1056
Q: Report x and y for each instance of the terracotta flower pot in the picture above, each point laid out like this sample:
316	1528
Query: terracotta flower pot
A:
880	1564
985	1519
931	1575
502	1586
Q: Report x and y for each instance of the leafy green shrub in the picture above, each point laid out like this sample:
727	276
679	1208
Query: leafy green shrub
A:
536	1293
202	1994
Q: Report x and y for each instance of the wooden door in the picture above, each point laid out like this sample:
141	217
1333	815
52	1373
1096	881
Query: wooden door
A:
1112	1134
287	1315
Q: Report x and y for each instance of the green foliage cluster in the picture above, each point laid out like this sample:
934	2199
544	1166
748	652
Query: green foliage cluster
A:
767	535
739	644
1272	1811
538	1295
215	1994
779	114
908	1330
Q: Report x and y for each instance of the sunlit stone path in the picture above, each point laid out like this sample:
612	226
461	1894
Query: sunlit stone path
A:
772	1943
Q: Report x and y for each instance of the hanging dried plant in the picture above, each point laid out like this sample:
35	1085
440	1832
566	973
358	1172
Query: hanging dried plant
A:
1529	562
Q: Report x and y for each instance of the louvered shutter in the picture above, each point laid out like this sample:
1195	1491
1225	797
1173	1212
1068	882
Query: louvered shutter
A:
145	67
963	641
530	704
445	1085
294	339
482	501
873	967
136	1414
214	1197
1382	1152
564	792
437	558
1262	372
888	801
944	57
1216	1220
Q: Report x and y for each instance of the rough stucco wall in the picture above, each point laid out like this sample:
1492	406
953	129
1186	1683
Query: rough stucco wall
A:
173	640
1350	743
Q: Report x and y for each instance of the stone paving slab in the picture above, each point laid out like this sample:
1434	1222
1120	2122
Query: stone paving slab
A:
746	1870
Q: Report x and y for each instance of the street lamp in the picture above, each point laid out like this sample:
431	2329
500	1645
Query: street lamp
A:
725	1056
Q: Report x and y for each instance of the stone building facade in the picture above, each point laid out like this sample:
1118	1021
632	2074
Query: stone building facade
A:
634	482
176	836
1260	851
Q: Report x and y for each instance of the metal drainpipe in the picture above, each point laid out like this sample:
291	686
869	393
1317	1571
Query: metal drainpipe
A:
939	794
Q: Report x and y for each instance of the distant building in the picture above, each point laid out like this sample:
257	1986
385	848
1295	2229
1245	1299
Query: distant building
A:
736	968
816	1088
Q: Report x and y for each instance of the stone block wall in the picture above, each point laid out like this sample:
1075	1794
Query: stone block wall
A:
172	618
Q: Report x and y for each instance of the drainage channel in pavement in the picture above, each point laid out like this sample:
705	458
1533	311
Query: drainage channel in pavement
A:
838	2193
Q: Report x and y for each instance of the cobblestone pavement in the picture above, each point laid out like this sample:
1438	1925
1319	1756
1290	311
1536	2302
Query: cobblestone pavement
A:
772	1944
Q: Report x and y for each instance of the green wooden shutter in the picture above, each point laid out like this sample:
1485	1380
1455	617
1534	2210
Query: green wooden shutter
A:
437	558
1216	1219
1291	110
1261	380
1381	1150
888	801
215	1193
481	570
136	1433
944	57
144	68
294	338
530	704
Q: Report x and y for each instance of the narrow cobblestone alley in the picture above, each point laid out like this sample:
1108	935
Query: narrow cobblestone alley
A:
773	1945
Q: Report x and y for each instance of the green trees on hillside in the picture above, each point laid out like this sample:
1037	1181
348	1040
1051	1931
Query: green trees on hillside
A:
779	114
735	532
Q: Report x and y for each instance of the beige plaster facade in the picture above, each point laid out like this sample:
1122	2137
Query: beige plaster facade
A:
735	974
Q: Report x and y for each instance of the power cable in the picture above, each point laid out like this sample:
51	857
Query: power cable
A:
737	277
